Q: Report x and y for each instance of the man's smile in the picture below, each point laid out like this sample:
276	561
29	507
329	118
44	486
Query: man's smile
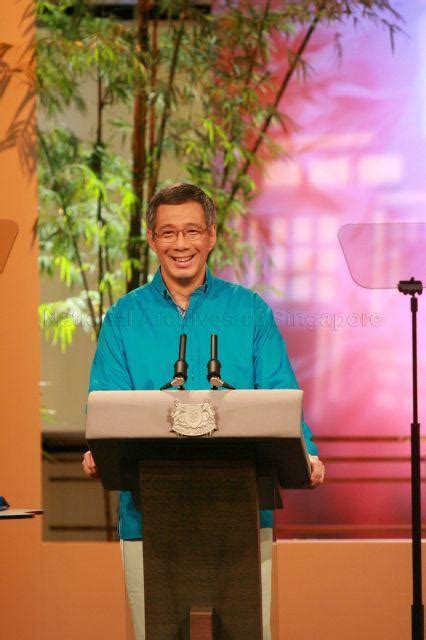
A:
182	260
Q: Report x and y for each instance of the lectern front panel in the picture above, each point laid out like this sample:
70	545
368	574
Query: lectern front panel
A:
201	547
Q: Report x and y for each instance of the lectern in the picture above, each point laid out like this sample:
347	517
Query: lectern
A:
201	464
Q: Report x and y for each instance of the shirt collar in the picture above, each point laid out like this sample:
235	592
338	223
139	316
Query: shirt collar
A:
159	284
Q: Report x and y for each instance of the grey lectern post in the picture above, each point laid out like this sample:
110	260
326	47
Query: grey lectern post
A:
201	496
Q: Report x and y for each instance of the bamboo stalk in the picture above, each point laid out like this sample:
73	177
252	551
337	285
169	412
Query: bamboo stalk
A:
168	95
98	171
152	107
246	82
134	246
268	119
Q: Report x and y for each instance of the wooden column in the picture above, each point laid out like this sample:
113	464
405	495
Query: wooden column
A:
20	476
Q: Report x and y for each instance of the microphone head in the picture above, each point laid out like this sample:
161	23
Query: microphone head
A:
181	365
213	346
182	346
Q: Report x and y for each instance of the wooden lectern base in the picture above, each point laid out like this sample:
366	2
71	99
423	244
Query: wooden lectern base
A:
201	548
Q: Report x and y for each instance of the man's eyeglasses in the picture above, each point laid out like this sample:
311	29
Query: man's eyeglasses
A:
167	236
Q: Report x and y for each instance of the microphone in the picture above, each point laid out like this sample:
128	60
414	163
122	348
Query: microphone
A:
180	368
181	365
213	366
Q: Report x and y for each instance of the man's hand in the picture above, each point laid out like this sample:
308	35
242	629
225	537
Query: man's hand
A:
317	471
89	466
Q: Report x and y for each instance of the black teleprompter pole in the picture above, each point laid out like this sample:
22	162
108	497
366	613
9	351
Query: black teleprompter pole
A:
413	288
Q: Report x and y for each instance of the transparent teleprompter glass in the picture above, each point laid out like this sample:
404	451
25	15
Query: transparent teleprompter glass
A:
380	255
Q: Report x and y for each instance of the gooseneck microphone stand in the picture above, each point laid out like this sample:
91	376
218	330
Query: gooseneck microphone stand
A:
180	369
213	367
414	288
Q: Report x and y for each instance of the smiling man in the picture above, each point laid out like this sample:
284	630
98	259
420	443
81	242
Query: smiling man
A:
139	338
182	235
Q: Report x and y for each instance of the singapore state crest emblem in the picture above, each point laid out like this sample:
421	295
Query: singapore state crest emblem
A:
193	419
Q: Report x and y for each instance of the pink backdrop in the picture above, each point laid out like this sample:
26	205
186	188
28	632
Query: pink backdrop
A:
358	155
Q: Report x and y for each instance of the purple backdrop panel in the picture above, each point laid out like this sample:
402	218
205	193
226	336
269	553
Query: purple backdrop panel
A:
358	156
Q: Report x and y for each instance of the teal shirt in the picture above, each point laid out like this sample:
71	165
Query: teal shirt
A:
138	346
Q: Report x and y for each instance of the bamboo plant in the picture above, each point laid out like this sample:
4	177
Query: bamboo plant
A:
200	94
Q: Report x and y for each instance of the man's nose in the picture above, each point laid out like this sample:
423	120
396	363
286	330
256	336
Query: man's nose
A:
181	241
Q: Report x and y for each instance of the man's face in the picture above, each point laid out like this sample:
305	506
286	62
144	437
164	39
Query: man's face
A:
182	259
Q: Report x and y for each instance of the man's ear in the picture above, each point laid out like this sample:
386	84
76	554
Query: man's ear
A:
212	232
150	238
